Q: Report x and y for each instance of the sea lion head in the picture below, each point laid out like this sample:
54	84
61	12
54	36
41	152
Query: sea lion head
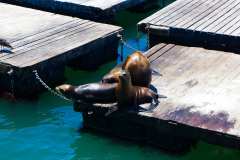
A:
67	90
125	77
113	76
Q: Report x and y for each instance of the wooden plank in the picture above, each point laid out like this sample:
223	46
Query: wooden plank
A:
45	40
170	8
211	81
231	21
222	20
213	15
39	39
198	14
48	42
167	11
202	88
175	15
211	23
161	51
197	7
98	10
61	45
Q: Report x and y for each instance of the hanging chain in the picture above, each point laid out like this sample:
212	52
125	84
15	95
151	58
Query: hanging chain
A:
138	40
148	35
11	75
56	93
126	44
122	51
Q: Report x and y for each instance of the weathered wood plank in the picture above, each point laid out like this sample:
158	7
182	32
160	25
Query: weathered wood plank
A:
207	23
47	36
166	11
202	88
98	10
212	76
213	16
198	14
48	42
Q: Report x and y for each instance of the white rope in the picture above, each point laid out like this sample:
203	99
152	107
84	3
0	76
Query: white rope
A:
56	93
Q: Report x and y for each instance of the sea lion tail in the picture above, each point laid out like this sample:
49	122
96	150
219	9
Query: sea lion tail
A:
113	109
156	73
162	96
155	70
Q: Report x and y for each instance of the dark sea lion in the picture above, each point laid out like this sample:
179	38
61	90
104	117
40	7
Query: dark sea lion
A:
129	95
113	75
90	93
139	68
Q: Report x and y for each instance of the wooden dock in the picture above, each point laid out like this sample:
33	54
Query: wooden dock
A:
209	23
48	42
97	10
202	88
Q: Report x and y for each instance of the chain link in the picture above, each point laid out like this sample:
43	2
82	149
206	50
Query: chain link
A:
58	94
11	75
126	44
148	35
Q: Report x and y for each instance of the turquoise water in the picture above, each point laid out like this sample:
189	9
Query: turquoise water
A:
48	129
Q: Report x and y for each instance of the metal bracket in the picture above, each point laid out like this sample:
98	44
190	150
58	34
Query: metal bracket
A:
158	30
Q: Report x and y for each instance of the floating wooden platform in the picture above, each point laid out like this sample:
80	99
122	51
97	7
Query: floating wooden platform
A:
97	10
209	23
48	42
203	101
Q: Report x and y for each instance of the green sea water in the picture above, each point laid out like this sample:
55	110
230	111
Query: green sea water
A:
49	129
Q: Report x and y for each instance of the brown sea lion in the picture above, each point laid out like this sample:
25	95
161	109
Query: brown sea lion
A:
139	68
129	95
90	93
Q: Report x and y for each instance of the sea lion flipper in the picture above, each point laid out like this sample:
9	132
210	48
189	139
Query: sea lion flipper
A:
113	109
156	73
152	106
162	96
155	70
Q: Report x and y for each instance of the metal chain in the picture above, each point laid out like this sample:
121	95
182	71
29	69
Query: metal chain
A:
126	44
58	94
122	52
148	35
11	75
11	71
138	39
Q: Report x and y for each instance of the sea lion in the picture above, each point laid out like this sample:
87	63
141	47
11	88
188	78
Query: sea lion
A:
129	95
139	68
90	93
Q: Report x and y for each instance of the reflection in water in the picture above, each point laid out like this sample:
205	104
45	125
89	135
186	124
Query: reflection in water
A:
48	129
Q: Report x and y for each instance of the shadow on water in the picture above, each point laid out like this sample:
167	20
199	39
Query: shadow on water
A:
48	128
